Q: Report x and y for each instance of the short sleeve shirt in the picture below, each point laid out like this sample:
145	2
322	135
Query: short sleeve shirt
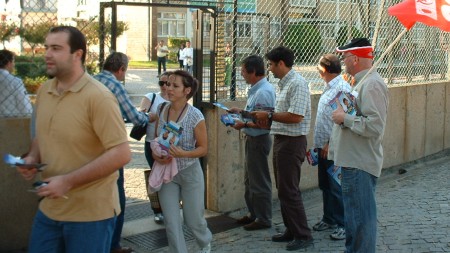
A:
294	97
73	129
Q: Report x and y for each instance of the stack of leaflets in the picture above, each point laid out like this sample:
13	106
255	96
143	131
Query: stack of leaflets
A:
229	119
347	101
17	161
312	156
170	135
335	173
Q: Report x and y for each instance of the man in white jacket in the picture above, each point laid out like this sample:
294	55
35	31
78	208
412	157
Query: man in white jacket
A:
188	53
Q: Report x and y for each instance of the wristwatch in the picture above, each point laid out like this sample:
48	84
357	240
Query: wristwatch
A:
270	115
245	124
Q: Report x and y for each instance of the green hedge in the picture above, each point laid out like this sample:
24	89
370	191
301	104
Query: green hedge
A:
343	35
32	67
306	42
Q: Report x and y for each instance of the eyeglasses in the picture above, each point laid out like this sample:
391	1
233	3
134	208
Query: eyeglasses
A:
342	58
161	83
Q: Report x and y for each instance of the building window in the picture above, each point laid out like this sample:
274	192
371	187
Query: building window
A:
39	5
275	28
171	24
244	29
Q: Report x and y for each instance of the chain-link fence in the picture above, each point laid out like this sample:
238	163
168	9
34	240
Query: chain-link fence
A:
310	27
23	27
315	27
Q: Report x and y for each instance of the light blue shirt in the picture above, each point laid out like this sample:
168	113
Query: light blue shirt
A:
260	95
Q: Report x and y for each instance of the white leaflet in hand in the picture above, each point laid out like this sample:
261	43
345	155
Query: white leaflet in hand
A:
12	160
17	161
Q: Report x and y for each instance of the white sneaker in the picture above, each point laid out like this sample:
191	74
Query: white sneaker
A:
338	234
205	249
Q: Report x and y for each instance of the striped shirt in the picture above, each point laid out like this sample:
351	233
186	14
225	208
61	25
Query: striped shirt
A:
324	123
294	97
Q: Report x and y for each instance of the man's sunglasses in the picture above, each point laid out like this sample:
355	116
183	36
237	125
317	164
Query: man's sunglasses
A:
161	83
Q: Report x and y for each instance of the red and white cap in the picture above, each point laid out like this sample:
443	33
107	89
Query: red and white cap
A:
360	47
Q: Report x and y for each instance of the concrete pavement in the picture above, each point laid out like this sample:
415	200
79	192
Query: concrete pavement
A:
413	216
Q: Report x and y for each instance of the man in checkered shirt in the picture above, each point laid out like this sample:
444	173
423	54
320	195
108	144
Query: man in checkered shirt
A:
289	124
329	69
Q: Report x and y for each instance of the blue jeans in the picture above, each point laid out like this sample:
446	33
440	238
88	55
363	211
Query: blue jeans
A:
358	192
50	236
333	207
115	242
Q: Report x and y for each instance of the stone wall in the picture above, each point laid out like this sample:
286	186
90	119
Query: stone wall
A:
418	125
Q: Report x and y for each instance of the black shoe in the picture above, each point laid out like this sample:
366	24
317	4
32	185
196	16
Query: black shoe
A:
245	220
285	237
256	225
299	244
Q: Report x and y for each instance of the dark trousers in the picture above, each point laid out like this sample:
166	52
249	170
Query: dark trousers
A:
288	156
333	206
181	63
115	242
161	61
258	185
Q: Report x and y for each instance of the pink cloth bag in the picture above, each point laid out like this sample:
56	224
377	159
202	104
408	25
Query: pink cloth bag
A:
161	173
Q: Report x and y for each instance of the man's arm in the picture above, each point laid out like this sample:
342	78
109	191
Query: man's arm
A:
131	113
101	167
262	118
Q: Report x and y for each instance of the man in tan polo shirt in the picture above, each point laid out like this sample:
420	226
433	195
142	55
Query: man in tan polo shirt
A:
81	137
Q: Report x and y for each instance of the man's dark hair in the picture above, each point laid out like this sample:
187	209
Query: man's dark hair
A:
281	54
76	39
254	64
6	57
188	81
115	61
331	63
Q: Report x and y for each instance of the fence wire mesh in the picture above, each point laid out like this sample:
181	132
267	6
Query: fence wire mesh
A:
310	27
315	27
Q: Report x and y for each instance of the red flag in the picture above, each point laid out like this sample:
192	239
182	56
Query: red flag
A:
430	12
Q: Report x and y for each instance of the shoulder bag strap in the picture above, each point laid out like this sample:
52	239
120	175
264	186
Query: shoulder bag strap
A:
151	103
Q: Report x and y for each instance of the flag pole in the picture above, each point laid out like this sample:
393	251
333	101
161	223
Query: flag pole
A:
388	49
377	24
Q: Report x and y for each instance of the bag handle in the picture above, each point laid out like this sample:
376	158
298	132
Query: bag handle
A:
151	103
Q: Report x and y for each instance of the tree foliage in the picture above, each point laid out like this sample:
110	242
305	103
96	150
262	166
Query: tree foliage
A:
91	30
35	34
7	31
305	40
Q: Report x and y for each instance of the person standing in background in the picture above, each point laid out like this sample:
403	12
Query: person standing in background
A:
258	142
14	101
356	146
114	70
188	53
161	53
150	103
329	69
81	137
289	124
180	56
